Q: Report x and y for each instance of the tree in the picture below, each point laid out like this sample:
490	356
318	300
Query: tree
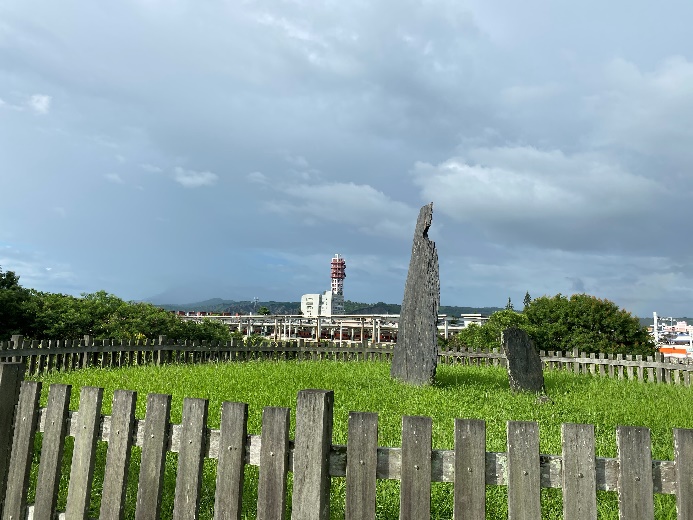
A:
527	300
587	323
13	301
264	311
489	334
509	305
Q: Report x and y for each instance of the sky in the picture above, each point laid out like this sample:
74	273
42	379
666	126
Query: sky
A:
181	150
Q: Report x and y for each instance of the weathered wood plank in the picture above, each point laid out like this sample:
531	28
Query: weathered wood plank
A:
25	422
683	457
151	481
231	461
635	488
415	490
311	488
274	454
11	375
579	475
84	453
362	463
523	471
470	474
190	458
48	481
120	441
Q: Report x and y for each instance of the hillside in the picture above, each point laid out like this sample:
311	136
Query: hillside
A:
350	307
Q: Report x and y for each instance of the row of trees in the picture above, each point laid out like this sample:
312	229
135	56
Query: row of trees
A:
554	323
40	315
561	323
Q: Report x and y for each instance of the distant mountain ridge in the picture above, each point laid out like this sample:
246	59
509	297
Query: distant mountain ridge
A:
350	307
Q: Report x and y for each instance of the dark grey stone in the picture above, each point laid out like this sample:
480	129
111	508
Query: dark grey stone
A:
416	353
524	364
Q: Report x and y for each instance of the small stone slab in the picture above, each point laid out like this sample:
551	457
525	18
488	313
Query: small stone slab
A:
524	364
416	355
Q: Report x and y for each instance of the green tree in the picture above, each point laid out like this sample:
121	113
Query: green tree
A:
509	306
55	316
489	334
527	300
587	323
14	316
264	311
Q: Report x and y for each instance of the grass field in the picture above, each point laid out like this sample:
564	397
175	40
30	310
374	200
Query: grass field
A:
459	391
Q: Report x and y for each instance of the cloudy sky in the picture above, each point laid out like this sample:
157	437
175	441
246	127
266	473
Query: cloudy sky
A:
183	150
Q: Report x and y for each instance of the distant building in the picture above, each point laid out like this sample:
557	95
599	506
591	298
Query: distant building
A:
310	305
326	305
468	319
330	303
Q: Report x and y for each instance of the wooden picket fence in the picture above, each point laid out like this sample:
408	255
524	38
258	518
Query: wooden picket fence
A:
47	355
312	458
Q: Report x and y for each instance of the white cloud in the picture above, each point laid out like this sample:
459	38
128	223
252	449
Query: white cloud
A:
40	103
192	178
151	168
114	177
648	112
525	184
521	94
357	206
257	177
297	160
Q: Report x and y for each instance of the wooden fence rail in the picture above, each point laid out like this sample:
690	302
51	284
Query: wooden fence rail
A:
312	458
47	355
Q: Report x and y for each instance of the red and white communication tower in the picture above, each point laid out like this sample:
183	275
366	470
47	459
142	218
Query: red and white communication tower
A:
338	266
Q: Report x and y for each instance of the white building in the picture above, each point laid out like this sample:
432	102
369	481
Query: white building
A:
325	305
468	319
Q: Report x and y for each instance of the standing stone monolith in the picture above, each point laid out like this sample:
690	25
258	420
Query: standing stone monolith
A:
416	352
524	364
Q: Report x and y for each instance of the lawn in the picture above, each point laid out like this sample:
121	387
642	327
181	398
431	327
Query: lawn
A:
459	391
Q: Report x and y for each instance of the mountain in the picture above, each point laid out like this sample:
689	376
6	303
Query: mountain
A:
234	307
350	307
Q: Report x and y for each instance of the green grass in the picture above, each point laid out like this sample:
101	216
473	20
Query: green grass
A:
459	391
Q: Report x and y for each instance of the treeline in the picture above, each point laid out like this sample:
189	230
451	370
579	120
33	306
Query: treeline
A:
219	305
560	323
42	315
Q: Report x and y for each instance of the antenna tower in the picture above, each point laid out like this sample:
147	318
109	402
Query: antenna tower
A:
338	266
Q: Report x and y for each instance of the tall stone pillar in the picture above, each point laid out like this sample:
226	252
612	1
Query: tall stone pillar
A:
416	354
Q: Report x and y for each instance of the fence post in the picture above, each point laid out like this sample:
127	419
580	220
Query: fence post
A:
311	492
17	343
415	491
190	458
683	455
84	453
524	485
635	487
274	462
156	433
362	464
579	480
470	469
118	455
25	422
48	481
11	376
231	464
